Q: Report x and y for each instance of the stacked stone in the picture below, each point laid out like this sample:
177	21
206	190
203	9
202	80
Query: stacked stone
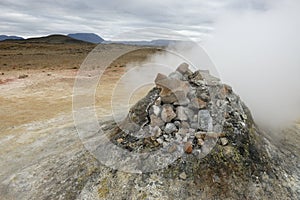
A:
181	113
186	111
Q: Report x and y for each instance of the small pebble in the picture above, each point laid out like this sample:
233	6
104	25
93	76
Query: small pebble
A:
224	141
120	140
188	147
172	148
183	176
159	140
200	142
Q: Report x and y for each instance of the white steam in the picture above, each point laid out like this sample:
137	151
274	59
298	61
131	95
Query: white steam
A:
258	53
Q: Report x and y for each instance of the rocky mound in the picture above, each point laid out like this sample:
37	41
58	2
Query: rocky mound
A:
184	109
208	145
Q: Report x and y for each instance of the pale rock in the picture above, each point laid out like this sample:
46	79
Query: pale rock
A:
200	142
194	125
170	128
167	113
159	140
158	101
120	140
198	103
156	110
155	131
183	176
156	121
185	125
224	141
172	148
183	68
180	112
183	131
176	75
205	121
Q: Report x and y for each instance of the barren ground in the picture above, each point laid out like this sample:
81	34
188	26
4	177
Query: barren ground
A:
36	119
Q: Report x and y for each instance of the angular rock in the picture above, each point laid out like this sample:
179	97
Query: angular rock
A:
155	110
198	103
188	147
180	112
205	121
226	90
183	176
159	140
169	98
177	124
158	101
194	125
190	114
185	125
167	113
176	75
205	97
172	89
172	148
170	128
196	78
155	131
182	102
156	121
200	142
178	97
224	141
169	83
200	135
183	68
120	140
182	131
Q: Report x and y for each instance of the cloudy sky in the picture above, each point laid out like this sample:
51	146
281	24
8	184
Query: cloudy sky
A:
193	18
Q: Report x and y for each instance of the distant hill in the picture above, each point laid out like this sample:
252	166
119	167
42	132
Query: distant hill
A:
54	39
87	37
6	37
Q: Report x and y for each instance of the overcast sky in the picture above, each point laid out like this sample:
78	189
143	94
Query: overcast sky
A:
193	18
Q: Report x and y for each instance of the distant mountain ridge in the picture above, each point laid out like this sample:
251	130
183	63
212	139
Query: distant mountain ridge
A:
87	37
50	39
12	37
55	39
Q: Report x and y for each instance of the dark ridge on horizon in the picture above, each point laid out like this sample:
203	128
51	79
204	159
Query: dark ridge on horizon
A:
10	37
87	37
50	39
91	38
